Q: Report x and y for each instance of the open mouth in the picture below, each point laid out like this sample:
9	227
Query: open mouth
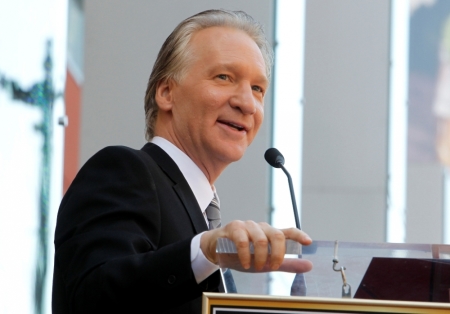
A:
233	125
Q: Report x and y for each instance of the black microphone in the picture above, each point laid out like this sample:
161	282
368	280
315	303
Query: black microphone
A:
276	160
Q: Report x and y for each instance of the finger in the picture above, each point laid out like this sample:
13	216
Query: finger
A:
260	242
296	265
297	235
236	231
277	241
290	265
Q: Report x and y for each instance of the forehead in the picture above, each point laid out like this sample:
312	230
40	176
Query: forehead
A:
224	45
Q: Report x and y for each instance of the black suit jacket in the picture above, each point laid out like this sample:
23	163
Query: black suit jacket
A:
123	234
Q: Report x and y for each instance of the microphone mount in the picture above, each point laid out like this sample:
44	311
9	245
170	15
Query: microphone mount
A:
276	160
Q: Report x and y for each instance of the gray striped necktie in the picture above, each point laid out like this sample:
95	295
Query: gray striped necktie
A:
213	214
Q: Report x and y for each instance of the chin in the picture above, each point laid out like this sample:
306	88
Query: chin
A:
234	155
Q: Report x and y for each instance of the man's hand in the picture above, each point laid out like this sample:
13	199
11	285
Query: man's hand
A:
261	234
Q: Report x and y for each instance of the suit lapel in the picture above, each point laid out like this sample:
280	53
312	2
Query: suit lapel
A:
180	186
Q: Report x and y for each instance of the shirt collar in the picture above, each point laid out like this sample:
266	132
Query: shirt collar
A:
196	179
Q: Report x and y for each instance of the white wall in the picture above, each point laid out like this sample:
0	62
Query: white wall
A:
345	119
425	203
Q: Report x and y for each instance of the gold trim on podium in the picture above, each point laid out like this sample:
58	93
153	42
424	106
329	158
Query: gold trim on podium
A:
214	301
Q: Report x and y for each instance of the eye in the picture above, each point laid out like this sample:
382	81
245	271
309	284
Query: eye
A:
223	77
257	88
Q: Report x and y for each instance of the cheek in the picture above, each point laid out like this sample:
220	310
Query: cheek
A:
257	122
211	99
259	118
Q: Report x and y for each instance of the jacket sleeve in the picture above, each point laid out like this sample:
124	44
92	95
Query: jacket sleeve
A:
108	256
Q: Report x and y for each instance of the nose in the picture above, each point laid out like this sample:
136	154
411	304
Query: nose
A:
243	99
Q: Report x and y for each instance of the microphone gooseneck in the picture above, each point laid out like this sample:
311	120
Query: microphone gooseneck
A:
276	160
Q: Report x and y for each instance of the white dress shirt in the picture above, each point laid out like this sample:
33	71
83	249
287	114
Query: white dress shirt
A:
203	193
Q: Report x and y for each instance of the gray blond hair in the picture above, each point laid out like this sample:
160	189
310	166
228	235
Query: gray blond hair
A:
172	60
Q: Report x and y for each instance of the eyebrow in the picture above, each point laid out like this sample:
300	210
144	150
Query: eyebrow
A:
262	79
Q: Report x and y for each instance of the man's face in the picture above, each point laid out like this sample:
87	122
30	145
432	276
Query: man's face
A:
217	106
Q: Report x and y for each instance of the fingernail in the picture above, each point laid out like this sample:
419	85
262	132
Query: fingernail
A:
275	266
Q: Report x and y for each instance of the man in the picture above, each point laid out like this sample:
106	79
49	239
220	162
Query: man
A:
132	232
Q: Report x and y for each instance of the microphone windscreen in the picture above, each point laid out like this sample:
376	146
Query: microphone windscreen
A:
274	157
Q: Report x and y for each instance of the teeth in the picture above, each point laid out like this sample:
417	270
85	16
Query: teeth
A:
236	126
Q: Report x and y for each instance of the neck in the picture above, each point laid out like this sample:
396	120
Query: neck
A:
210	168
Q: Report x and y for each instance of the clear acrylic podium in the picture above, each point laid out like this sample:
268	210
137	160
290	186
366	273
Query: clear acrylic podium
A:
353	273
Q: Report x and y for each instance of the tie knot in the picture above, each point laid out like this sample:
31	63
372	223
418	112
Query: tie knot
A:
214	202
213	214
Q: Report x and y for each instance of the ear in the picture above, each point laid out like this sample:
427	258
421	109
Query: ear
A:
164	94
